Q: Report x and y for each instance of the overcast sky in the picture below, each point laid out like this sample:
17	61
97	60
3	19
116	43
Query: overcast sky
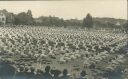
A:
70	9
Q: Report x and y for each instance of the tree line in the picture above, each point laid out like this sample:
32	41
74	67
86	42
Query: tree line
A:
26	18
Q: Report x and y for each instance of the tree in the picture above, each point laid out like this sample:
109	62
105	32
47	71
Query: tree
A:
88	21
24	18
29	13
125	26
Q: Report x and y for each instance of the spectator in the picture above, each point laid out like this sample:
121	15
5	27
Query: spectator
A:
92	66
82	75
56	74
20	74
47	74
6	70
39	74
26	72
31	75
65	75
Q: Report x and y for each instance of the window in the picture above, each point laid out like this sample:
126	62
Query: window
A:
1	14
3	19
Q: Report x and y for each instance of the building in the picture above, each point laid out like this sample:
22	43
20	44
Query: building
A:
6	17
2	17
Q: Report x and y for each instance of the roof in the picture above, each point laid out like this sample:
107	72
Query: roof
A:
6	12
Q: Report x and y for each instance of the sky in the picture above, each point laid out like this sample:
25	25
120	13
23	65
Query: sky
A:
69	9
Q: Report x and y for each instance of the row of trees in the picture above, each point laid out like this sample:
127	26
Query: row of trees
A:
56	21
26	18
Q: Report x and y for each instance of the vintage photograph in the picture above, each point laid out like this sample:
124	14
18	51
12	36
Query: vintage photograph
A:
64	39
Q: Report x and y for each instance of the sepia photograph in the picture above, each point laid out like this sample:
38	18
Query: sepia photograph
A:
63	39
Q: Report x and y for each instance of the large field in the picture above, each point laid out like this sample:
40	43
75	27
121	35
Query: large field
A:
73	49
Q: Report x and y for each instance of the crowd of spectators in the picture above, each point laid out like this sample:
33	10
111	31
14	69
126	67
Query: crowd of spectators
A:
7	71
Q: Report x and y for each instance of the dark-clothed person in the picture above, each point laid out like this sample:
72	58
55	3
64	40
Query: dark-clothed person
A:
56	74
47	74
82	75
6	70
20	74
65	75
31	74
39	74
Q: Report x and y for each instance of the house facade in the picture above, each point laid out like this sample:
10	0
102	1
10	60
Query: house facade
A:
6	17
2	18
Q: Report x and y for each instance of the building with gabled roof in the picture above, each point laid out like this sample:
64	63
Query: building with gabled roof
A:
6	17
